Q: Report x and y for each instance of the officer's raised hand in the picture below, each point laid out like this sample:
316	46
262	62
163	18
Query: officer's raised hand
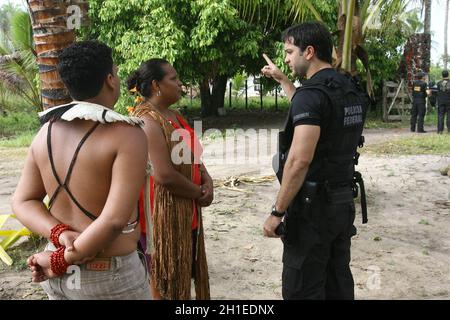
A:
272	71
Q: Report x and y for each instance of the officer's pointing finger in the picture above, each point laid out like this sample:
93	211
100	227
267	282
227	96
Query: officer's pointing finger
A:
269	62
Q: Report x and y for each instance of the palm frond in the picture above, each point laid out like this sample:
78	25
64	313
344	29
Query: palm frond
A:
9	58
364	9
11	81
21	31
301	9
368	16
257	10
18	68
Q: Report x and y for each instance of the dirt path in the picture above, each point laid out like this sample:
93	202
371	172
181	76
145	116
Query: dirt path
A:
402	253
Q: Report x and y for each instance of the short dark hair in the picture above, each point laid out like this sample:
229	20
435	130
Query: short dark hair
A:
421	75
84	66
445	73
142	78
314	34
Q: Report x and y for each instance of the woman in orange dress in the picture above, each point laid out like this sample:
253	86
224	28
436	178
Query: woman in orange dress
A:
179	186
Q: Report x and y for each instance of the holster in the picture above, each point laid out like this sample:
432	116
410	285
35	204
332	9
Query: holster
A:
308	192
347	192
358	180
302	218
302	202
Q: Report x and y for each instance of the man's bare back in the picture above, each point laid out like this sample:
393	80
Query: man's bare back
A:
91	162
90	180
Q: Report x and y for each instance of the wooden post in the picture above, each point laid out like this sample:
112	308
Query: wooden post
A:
229	104
385	89
276	98
260	95
246	97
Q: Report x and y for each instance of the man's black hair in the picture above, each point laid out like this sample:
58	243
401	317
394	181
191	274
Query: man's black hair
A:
314	34
84	66
444	73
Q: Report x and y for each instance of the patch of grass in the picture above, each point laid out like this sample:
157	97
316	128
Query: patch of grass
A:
424	222
21	140
413	145
17	123
374	121
20	253
253	103
377	238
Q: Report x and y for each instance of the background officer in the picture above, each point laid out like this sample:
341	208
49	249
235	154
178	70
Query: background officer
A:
322	132
419	104
443	98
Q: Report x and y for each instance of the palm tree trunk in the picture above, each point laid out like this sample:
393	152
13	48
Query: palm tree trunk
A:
51	35
347	50
445	35
427	20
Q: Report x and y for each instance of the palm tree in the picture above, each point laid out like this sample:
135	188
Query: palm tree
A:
445	35
347	10
427	19
51	35
18	71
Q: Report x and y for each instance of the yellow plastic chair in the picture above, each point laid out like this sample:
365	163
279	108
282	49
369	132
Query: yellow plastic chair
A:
9	237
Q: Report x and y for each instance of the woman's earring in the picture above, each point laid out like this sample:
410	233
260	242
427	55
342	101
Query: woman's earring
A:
159	93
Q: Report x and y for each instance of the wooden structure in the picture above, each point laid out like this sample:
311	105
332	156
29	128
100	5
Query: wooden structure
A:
396	100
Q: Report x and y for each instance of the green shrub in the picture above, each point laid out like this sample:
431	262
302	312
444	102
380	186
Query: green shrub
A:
18	123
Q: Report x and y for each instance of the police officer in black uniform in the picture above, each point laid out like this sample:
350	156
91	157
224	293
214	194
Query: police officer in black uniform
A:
443	97
314	211
419	94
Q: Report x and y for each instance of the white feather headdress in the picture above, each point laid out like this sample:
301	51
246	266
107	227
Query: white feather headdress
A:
89	111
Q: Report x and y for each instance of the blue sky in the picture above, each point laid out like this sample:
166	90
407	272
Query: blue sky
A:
437	29
437	25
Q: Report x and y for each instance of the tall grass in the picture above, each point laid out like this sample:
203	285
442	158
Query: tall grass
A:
17	123
18	129
21	140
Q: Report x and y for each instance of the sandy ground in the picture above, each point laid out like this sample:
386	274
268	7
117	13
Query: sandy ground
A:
402	253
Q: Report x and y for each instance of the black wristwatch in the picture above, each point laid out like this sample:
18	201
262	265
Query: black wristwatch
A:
276	213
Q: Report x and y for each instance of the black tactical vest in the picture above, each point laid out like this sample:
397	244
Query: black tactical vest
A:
335	156
443	94
417	92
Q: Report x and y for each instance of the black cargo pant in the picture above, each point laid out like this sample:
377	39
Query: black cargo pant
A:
318	267
443	109
417	115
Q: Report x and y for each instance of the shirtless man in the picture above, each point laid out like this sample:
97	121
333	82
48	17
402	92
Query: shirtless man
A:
94	192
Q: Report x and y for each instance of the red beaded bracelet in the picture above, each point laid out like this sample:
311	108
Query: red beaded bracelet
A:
56	232
58	264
